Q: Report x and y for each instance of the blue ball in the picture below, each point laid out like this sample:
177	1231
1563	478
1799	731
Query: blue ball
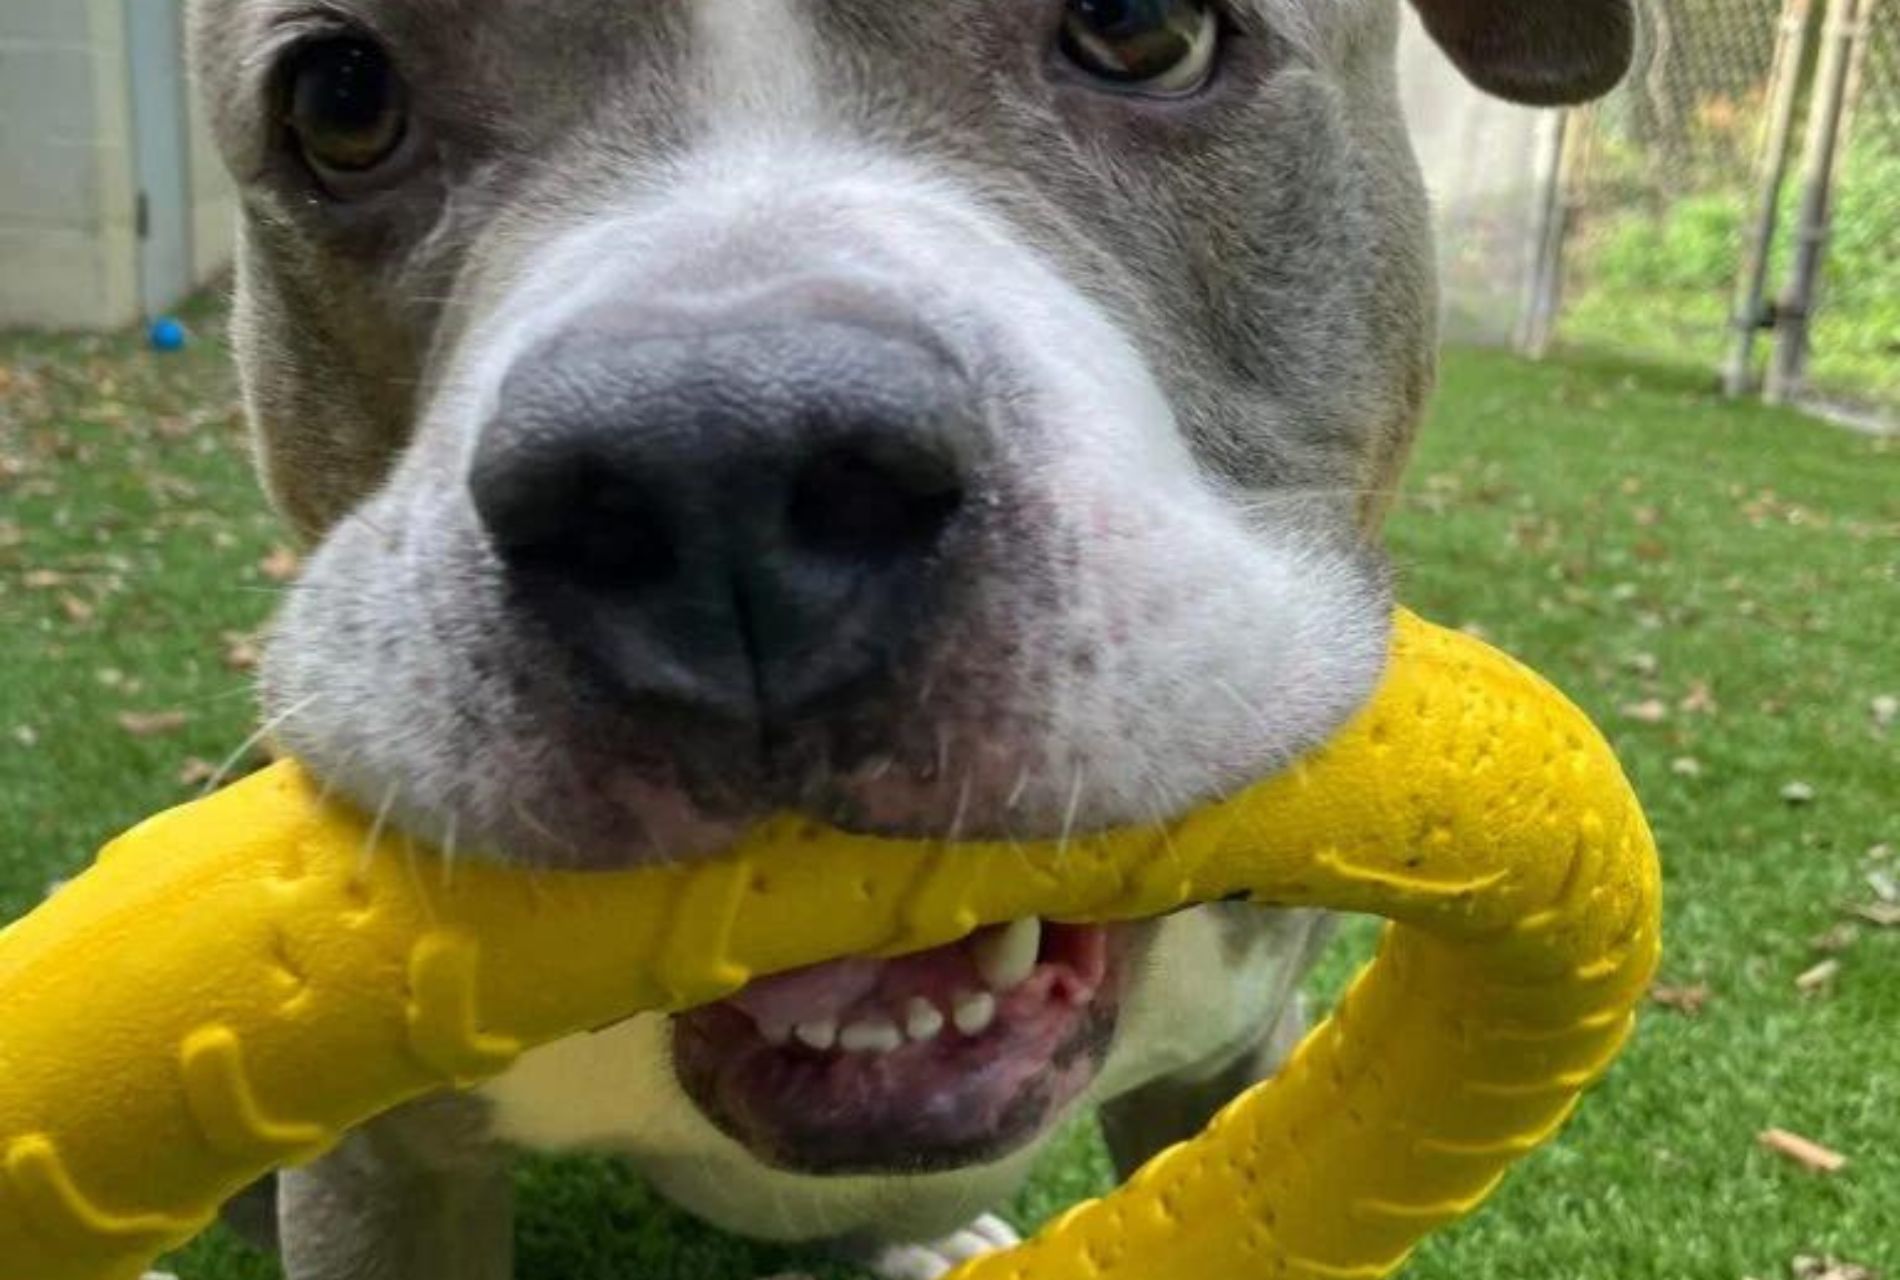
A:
167	334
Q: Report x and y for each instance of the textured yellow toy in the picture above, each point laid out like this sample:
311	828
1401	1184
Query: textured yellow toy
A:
239	981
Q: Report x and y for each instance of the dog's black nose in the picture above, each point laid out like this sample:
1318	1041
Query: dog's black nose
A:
749	522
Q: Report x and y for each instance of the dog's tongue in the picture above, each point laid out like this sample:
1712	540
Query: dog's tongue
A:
822	991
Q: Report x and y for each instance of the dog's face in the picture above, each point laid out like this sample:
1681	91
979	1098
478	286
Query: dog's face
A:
969	417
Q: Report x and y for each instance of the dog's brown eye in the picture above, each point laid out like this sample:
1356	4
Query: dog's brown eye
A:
345	105
1160	47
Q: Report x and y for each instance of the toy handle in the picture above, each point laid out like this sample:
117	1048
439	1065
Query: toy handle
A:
239	982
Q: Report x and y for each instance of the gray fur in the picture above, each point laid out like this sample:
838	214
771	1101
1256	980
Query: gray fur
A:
1198	335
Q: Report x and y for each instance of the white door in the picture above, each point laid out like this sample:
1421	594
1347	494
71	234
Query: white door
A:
155	45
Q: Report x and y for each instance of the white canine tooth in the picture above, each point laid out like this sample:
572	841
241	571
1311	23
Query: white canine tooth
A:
821	1034
922	1019
973	1012
1007	956
777	1034
871	1035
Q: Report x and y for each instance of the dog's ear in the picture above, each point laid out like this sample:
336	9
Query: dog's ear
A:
1541	52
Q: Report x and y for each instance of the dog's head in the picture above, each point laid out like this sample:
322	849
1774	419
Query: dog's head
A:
962	417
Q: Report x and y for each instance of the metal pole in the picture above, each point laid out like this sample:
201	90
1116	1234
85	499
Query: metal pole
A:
1537	322
1789	365
1751	313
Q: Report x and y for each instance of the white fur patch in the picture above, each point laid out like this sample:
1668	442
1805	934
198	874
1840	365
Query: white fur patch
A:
755	65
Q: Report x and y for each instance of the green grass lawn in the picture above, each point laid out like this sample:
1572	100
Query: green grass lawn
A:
1720	585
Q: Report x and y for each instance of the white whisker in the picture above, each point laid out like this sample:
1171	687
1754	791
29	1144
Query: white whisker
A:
264	731
1075	806
374	836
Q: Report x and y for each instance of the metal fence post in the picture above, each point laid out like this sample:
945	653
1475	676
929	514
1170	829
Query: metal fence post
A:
1751	314
1788	368
1543	291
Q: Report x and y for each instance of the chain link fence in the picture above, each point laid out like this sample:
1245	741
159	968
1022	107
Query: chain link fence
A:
1659	193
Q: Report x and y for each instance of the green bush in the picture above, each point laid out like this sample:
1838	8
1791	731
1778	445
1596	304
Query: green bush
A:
1660	281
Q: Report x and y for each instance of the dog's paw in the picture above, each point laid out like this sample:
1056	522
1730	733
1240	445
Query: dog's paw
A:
929	1261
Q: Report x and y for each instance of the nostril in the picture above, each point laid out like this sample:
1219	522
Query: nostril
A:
862	502
576	518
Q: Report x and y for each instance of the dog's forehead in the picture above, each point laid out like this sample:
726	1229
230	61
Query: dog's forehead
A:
676	39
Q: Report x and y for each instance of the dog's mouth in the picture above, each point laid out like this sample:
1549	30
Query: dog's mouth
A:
933	1061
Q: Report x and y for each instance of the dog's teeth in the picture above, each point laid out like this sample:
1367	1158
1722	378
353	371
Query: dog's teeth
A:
871	1035
1006	957
777	1034
974	1012
922	1019
820	1035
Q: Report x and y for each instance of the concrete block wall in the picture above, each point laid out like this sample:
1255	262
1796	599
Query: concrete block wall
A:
68	192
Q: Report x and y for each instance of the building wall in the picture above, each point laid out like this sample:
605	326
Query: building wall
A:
1483	161
68	198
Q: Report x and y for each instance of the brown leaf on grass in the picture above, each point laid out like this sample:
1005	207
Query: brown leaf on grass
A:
77	611
1835	939
152	724
1885	887
281	565
196	772
1882	915
1699	701
1819	978
1798	793
1648	711
1810	1155
1806	1268
241	651
1885	710
44	580
1685	1000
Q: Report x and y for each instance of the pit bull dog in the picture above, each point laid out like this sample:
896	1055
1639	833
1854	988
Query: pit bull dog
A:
966	418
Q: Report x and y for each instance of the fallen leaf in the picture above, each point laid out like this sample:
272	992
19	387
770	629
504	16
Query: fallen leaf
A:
1700	700
241	651
1835	938
1885	887
1686	767
77	611
1685	1000
1810	1155
1884	915
196	772
1819	978
280	565
1806	1268
152	724
1648	711
44	580
1798	793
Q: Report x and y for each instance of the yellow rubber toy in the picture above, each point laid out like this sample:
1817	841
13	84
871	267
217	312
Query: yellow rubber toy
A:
239	981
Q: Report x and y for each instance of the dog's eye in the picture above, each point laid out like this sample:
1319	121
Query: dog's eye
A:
345	105
1161	47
